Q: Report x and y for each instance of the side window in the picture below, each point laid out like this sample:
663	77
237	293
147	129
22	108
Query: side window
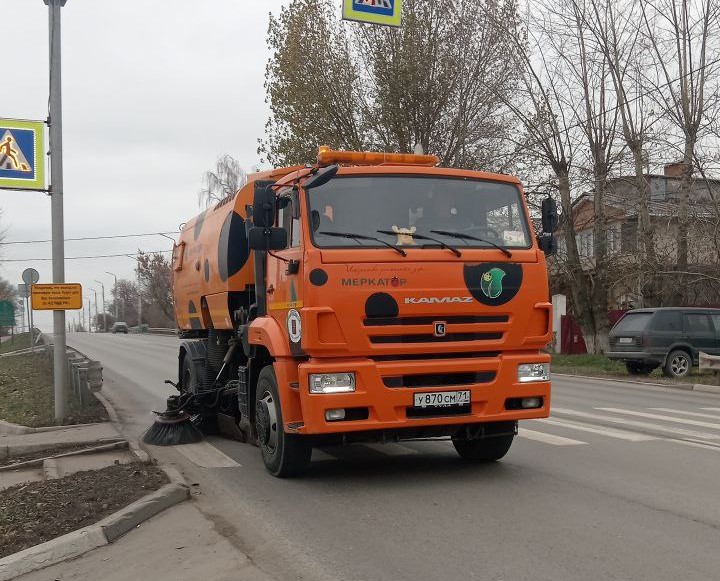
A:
668	321
716	320
697	323
291	225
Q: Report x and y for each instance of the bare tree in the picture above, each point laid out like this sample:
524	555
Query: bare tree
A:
155	278
684	37
227	178
438	82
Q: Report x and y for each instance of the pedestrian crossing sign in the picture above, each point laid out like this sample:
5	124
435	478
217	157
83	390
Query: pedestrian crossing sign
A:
387	12
22	154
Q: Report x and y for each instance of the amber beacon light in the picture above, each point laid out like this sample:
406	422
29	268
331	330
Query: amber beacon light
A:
327	156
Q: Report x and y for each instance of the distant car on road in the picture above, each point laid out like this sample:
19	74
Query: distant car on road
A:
669	337
120	327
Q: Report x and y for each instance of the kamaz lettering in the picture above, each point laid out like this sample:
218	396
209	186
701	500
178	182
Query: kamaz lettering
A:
436	300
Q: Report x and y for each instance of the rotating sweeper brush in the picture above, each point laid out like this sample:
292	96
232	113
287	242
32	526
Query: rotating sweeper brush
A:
174	426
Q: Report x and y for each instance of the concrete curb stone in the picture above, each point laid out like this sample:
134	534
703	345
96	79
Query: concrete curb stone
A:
8	428
112	414
706	388
54	551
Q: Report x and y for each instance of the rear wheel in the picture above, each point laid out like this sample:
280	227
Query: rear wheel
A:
283	454
483	449
678	364
635	368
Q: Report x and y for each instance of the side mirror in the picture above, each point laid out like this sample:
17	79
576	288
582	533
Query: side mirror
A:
547	243
549	215
264	205
320	177
268	238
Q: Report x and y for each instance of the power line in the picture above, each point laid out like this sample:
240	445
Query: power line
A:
84	257
90	238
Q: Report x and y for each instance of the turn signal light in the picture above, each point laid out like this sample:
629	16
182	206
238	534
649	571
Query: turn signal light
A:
327	156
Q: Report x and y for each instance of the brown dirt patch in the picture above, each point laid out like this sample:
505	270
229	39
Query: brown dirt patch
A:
33	513
27	395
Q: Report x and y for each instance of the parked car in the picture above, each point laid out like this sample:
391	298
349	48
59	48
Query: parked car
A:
670	337
120	327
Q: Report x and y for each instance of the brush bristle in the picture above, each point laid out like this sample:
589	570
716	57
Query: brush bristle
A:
172	434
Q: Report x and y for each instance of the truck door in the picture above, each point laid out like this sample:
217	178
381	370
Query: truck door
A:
284	272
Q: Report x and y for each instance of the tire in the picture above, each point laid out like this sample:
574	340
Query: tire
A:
678	364
283	454
635	368
483	449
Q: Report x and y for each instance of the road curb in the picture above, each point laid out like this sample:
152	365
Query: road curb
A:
683	386
112	414
706	388
79	542
20	449
54	551
10	429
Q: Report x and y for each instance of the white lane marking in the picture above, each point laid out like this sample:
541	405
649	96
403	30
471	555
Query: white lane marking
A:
643	425
694	414
548	438
631	436
320	456
711	409
698	423
206	455
696	445
391	449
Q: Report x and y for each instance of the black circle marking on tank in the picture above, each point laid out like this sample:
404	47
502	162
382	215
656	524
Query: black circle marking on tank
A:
233	249
318	277
381	305
207	270
511	277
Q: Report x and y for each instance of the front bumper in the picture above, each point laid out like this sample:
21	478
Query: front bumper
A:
388	407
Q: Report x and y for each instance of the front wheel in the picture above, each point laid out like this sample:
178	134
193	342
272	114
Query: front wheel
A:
483	449
678	364
283	454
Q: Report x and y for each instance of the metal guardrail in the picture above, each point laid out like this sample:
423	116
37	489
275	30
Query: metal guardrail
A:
161	331
84	375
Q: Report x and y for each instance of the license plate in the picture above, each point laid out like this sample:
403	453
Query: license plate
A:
625	340
442	399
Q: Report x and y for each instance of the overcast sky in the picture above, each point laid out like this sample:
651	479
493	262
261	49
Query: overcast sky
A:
154	91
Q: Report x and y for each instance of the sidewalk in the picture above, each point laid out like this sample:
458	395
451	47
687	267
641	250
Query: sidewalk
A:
177	544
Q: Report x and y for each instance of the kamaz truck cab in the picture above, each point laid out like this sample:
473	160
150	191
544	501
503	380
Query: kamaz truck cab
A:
370	297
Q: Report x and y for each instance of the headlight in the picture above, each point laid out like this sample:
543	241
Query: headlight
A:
533	372
332	382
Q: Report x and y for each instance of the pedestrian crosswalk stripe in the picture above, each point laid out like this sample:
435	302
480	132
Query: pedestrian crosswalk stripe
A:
664	418
696	445
630	436
206	455
320	456
392	449
711	409
694	414
548	438
643	425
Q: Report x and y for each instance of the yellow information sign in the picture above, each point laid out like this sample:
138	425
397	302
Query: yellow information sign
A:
56	297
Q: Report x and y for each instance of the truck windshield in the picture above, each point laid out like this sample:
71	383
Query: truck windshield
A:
490	214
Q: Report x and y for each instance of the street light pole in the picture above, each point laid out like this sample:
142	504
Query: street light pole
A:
139	292
102	286
96	310
89	327
114	293
56	205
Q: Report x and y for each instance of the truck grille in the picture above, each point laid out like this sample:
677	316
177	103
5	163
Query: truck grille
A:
430	338
452	320
439	379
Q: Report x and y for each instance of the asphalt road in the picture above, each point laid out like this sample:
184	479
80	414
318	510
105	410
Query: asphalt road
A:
622	483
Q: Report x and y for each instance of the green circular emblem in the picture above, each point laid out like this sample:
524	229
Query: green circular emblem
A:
491	283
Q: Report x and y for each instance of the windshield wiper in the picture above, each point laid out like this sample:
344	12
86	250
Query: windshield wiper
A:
462	236
454	250
363	237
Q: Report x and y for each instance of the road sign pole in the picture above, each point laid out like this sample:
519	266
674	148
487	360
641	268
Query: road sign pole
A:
56	180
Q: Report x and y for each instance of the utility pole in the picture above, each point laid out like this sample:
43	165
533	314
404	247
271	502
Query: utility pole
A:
102	286
114	294
56	197
96	310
